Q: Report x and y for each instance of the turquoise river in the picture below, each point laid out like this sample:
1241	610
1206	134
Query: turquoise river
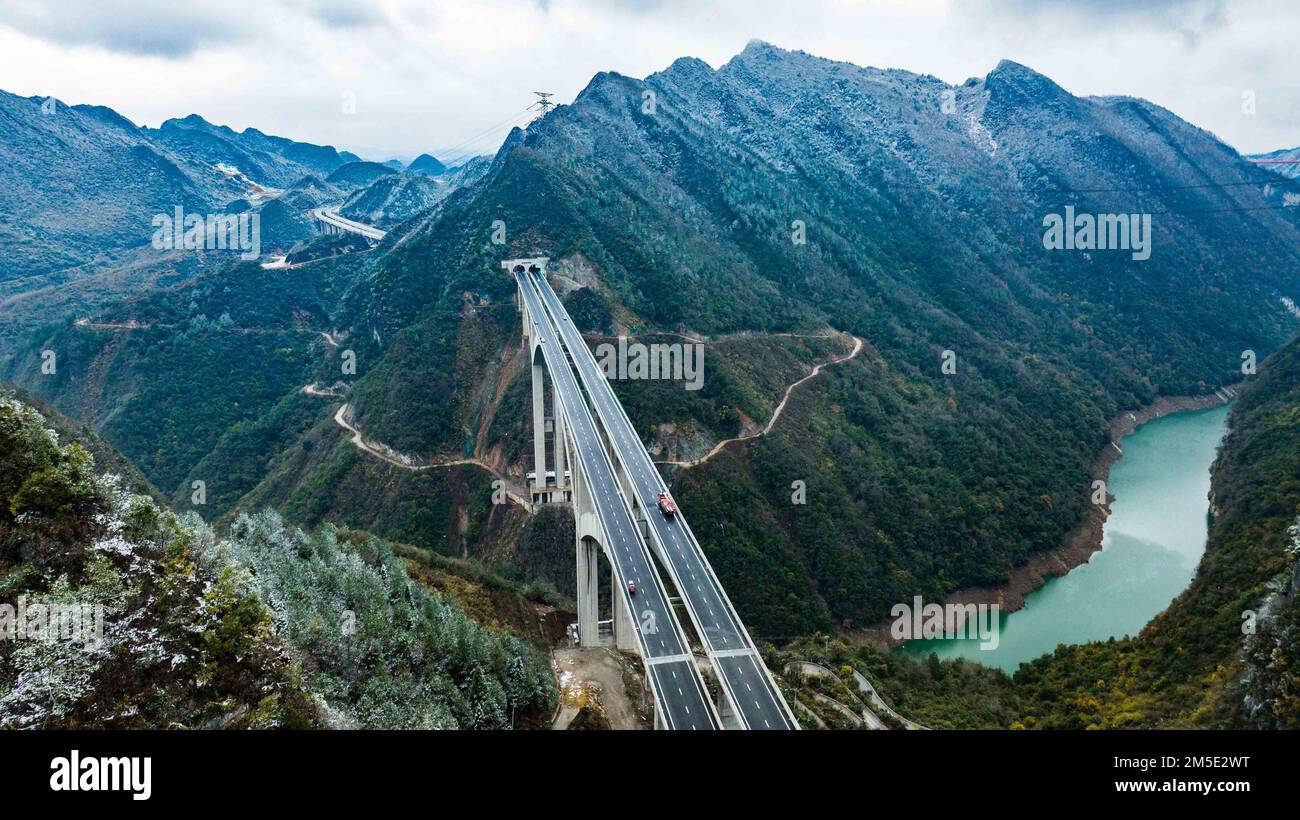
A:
1150	547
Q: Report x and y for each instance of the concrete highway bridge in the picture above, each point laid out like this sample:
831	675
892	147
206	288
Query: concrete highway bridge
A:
331	221
598	464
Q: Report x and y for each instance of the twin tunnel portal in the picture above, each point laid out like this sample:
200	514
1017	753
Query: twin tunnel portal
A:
598	464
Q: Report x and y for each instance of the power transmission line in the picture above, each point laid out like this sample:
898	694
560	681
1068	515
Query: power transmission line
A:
481	135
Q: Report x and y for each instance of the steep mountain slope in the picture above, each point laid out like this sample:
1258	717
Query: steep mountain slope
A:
356	175
107	458
286	219
76	184
163	376
82	181
80	187
393	199
269	160
147	656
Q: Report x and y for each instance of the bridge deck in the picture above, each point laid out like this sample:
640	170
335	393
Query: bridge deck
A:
679	690
752	689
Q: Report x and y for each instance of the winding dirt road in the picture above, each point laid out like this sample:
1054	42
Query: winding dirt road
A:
385	453
393	457
776	414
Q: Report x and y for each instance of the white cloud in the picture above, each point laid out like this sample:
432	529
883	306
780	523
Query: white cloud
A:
430	76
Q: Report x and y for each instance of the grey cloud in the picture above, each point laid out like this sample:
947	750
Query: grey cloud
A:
630	7
149	27
1191	19
343	14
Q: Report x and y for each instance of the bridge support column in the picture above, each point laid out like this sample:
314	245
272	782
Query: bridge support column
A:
586	531
558	425
539	432
624	633
726	712
588	592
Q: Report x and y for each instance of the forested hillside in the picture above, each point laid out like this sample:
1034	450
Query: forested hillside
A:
1193	665
395	198
1223	655
82	182
163	377
72	537
81	185
290	630
1285	161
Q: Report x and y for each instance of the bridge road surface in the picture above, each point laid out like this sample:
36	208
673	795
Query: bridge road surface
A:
680	693
725	638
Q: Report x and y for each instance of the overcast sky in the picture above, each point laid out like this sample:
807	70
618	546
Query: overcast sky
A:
451	76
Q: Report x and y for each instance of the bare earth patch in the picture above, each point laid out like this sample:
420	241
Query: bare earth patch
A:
590	675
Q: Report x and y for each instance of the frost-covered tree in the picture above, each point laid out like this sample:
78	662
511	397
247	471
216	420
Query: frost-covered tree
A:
380	649
267	628
168	630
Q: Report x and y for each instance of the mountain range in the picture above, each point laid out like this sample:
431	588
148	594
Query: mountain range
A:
770	208
80	186
82	181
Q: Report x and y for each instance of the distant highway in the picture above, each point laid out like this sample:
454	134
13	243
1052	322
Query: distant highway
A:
331	218
752	690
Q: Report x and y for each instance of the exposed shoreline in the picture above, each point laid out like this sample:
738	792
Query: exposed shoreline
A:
1082	542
